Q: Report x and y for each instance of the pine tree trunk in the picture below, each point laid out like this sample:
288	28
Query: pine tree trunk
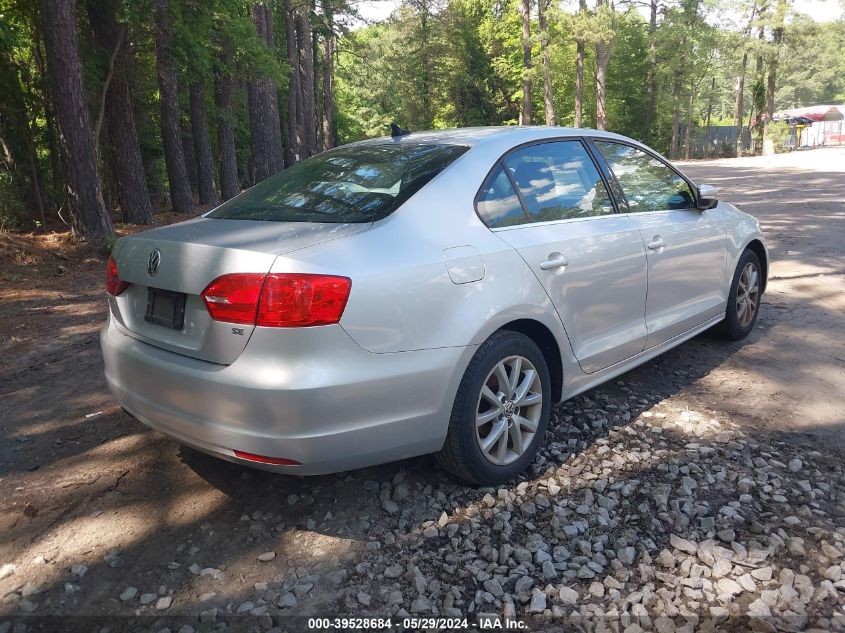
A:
758	95
88	214
648	119
262	97
295	118
152	169
707	118
272	98
602	58
525	114
171	129
580	49
189	153
226	149
676	116
119	117
202	145
547	62
309	110
579	84
740	105
688	127
328	82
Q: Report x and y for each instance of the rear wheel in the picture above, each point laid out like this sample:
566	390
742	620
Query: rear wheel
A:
501	411
744	298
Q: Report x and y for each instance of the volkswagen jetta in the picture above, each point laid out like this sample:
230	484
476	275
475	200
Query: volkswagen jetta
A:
432	292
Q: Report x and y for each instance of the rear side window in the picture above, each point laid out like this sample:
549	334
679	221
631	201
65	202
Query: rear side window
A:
558	181
350	184
648	183
497	204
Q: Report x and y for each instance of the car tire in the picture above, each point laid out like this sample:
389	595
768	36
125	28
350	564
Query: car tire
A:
746	293
519	420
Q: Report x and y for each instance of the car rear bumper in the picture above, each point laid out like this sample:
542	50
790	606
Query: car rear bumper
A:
311	395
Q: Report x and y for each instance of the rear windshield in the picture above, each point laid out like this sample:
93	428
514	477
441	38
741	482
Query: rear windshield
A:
348	184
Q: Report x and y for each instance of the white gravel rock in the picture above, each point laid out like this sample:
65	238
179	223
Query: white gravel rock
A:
729	587
762	573
538	601
683	544
568	595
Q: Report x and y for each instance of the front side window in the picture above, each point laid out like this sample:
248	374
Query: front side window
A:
648	184
558	181
349	184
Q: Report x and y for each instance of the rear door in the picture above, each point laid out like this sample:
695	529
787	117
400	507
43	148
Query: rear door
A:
686	249
549	202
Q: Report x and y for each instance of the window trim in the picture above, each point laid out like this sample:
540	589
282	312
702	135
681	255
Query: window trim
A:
500	162
594	141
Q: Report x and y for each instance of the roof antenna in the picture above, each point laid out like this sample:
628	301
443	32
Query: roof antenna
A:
396	131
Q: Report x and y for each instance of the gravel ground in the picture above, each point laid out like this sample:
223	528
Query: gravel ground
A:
703	491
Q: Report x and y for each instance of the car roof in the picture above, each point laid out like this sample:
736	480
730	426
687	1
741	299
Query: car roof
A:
475	136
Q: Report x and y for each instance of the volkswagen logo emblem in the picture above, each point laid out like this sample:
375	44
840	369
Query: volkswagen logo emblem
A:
509	407
153	262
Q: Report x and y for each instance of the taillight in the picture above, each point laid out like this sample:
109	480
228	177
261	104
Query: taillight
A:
234	298
114	284
277	299
300	300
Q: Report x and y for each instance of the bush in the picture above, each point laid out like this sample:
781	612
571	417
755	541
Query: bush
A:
778	132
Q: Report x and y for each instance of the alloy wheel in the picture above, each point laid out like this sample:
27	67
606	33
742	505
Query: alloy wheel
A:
508	410
747	294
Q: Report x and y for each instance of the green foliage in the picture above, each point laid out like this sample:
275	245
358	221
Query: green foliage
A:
778	132
432	64
812	69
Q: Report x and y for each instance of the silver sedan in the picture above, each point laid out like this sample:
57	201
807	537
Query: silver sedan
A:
433	292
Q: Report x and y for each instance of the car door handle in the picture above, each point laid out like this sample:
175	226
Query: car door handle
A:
554	261
656	243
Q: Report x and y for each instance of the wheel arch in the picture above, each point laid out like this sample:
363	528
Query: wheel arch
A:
548	345
759	249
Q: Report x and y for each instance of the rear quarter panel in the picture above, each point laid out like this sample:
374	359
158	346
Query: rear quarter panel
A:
402	296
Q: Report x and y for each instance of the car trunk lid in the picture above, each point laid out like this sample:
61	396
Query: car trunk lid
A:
169	267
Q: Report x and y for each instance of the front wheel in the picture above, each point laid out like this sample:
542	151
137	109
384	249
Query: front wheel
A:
501	411
744	298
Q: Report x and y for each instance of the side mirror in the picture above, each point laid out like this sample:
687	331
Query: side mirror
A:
707	196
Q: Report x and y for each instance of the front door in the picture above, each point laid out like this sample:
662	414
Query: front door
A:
590	260
686	250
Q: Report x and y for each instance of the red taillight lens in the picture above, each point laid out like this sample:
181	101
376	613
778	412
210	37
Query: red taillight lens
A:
234	298
277	299
301	300
263	459
114	284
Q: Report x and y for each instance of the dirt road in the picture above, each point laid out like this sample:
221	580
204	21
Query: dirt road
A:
790	376
99	515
